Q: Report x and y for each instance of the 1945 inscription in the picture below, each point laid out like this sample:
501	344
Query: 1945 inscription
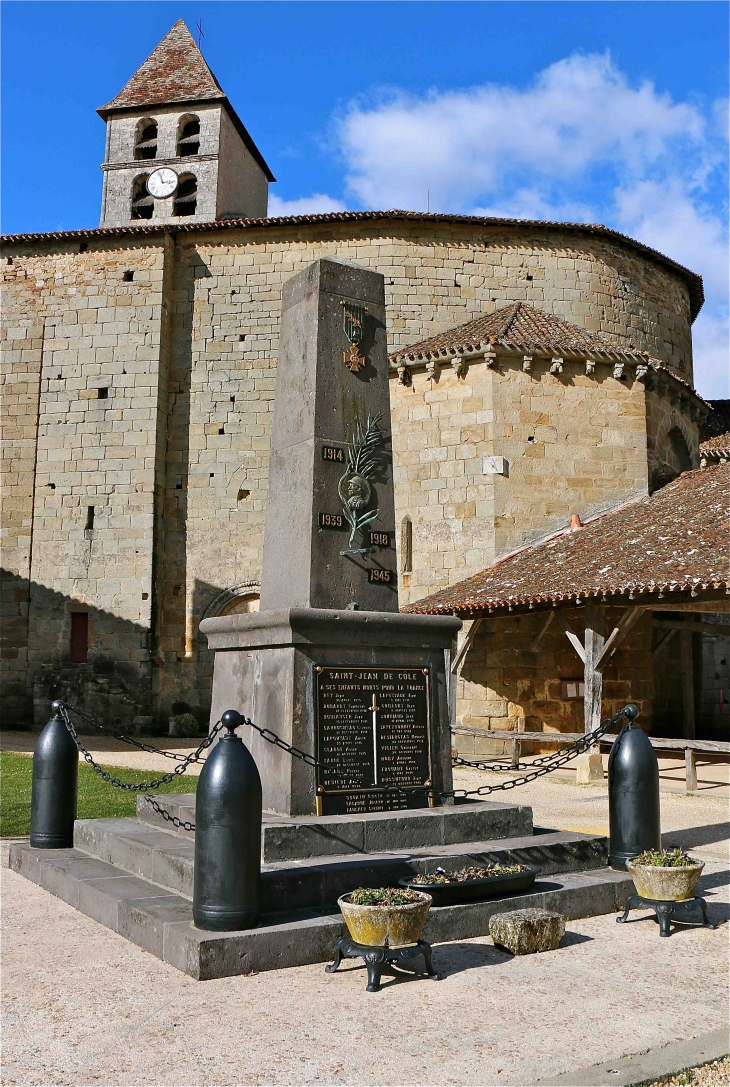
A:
372	727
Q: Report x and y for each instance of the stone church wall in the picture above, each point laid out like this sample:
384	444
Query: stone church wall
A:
175	458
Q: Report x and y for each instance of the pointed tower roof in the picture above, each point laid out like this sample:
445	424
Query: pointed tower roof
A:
174	72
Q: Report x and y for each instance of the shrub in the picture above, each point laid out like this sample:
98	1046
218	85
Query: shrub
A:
187	725
384	896
666	858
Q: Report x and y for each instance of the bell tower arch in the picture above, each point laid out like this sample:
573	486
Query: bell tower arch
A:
200	163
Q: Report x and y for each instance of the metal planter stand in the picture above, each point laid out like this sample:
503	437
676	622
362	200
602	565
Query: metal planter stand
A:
377	957
666	912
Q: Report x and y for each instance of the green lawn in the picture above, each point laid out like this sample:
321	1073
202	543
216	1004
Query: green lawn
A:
97	799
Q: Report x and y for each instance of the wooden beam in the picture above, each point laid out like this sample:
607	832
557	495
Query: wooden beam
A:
688	686
718	747
718	629
465	645
543	630
690	770
571	635
628	620
592	676
663	642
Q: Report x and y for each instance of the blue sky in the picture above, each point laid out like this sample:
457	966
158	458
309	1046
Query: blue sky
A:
599	112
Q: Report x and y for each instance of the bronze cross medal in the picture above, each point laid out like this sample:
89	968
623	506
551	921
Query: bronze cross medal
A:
354	324
374	710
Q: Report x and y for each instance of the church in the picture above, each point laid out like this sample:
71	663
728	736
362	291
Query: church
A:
540	372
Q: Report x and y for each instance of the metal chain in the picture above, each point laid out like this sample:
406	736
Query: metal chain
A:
557	759
182	824
506	767
175	755
144	787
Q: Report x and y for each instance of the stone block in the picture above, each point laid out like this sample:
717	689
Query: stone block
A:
523	932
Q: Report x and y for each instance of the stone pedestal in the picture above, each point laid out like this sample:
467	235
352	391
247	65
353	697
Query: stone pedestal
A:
266	668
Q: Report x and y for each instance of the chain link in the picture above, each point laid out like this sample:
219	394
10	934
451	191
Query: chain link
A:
175	755
143	787
181	824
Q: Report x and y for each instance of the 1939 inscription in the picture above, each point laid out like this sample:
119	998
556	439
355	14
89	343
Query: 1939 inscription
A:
372	727
331	520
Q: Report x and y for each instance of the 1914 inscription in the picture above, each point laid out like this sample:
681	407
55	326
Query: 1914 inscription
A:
372	727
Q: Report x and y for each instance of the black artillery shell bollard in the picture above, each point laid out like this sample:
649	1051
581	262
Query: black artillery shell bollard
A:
633	794
55	786
227	877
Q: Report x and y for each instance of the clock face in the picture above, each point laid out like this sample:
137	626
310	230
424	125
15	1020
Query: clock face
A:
162	183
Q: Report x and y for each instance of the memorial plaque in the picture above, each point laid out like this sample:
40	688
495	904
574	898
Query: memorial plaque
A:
383	577
373	726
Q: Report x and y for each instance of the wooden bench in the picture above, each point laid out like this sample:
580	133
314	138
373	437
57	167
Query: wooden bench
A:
690	747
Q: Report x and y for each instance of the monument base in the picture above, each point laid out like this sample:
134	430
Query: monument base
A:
364	692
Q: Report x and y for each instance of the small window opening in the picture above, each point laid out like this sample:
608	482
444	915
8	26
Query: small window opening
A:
89	519
51	485
128	277
241	338
242	495
10	260
60	377
528	277
212	474
186	197
178	486
531	438
406	545
189	140
145	596
142	203
79	637
222	430
146	145
103	394
83	247
233	400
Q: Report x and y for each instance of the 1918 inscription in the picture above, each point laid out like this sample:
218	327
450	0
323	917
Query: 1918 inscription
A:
372	727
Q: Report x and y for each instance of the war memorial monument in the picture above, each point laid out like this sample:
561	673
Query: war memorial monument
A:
328	663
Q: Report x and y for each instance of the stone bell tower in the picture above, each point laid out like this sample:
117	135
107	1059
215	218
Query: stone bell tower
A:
176	150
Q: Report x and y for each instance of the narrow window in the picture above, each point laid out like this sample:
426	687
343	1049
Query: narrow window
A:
188	142
89	519
103	394
186	196
79	636
145	146
406	545
142	203
128	276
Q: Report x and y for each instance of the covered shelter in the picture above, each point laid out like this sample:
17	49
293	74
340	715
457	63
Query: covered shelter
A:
631	606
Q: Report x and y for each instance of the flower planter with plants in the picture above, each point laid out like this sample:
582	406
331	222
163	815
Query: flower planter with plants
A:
385	916
474	883
665	875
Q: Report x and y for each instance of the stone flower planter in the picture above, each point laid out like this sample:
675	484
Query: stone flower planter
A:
378	926
665	884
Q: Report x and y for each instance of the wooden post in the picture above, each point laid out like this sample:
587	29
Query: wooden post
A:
515	753
690	770
688	685
593	679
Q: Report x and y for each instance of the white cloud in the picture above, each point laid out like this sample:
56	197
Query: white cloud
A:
317	204
581	143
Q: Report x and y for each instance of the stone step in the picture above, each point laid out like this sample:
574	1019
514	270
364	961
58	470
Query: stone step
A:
288	838
161	923
166	859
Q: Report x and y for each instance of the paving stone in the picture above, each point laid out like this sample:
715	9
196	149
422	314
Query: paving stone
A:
523	932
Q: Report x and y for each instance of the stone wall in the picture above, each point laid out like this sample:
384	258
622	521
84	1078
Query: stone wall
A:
174	460
506	684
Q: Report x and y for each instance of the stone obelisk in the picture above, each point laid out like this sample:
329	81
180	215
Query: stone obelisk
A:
329	664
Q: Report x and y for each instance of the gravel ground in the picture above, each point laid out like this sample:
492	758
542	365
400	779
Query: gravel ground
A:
714	1074
84	1006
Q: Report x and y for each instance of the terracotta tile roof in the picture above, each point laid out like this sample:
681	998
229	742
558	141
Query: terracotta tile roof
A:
519	326
715	430
693	281
174	72
676	540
